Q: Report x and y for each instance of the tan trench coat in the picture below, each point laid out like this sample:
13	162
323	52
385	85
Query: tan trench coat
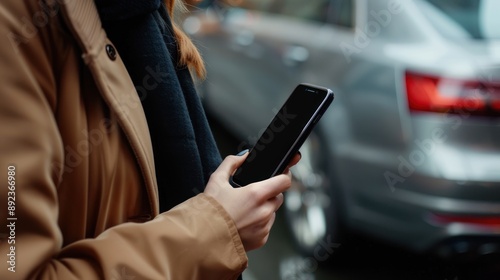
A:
78	196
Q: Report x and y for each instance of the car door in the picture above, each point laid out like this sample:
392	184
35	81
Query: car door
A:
256	58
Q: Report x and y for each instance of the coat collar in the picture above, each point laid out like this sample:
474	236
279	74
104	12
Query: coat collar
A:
114	84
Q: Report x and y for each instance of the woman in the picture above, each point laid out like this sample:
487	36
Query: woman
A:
97	184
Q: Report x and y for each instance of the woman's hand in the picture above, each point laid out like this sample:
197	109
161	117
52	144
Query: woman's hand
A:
253	207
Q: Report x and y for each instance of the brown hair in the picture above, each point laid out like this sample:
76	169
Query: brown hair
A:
188	53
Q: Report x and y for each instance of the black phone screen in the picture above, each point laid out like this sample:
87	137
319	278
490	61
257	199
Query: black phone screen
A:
284	135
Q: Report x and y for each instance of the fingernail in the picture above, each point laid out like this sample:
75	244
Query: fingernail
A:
242	152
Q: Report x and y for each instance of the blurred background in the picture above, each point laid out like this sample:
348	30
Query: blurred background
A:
401	177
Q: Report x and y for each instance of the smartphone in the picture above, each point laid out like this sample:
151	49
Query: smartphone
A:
284	136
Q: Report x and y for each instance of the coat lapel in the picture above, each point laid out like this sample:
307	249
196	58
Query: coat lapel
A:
114	84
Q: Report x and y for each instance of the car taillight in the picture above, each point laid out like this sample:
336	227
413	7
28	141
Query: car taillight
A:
430	93
446	219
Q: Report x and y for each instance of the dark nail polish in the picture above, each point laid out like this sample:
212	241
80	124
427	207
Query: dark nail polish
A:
242	152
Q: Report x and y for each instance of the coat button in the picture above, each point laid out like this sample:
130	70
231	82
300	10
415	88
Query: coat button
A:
111	51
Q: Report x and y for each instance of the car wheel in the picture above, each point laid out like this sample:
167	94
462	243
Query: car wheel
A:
310	208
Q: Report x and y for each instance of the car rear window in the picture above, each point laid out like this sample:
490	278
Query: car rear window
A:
477	18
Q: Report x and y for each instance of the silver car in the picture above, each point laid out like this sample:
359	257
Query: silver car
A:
409	151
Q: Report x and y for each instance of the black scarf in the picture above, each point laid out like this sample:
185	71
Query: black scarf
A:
184	149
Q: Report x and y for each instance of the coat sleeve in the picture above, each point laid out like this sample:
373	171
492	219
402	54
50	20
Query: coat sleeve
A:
195	240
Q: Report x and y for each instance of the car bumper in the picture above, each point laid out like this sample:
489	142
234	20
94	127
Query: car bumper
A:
422	210
426	223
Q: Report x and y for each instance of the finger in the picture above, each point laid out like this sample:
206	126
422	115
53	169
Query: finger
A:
293	162
275	203
263	231
288	173
295	159
271	206
271	187
231	163
271	222
268	227
279	199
